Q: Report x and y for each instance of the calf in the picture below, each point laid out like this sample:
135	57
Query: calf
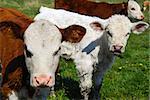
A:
42	43
103	40
102	9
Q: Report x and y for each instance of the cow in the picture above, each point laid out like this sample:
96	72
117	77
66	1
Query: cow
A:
14	73
42	42
102	9
97	50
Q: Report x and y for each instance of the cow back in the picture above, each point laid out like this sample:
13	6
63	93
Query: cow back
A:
102	9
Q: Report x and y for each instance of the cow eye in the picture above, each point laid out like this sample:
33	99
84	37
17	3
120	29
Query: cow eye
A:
56	52
109	34
132	8
28	53
127	34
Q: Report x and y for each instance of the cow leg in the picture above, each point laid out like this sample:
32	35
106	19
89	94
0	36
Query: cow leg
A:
97	79
98	74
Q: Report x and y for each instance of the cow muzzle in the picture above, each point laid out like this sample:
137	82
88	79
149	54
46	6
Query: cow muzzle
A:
116	49
42	81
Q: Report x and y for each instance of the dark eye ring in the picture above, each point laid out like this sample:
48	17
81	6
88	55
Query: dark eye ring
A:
132	8
28	53
109	34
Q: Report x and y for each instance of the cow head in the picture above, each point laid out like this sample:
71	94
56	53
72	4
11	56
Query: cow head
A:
134	10
42	40
118	31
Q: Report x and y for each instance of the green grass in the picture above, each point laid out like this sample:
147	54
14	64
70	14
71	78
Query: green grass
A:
128	79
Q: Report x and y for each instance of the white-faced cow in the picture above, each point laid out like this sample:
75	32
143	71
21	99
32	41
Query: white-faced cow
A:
98	48
42	42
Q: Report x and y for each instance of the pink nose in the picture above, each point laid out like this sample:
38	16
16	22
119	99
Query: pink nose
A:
42	80
117	47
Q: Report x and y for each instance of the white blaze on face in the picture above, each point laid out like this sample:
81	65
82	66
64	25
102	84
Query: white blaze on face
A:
134	10
118	30
42	40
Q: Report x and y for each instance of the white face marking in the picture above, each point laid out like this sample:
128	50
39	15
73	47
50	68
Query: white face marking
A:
42	40
134	10
118	31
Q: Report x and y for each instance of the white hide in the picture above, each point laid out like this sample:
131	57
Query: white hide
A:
134	10
63	19
118	26
42	39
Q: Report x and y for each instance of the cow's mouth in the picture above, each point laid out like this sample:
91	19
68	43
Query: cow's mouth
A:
43	86
117	53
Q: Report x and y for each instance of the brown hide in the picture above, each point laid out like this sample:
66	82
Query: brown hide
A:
10	46
102	10
9	14
13	82
12	26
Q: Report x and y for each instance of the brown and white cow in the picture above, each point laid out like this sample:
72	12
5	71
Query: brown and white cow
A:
14	73
103	10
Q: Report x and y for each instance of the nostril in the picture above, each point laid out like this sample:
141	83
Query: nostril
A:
142	17
121	47
116	47
37	80
49	80
50	77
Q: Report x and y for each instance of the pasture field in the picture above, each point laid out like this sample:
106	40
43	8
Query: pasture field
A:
129	77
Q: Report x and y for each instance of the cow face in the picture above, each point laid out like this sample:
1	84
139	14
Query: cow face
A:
134	10
118	32
42	40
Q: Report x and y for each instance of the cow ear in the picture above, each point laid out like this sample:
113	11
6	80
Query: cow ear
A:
16	29
73	33
139	27
96	26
